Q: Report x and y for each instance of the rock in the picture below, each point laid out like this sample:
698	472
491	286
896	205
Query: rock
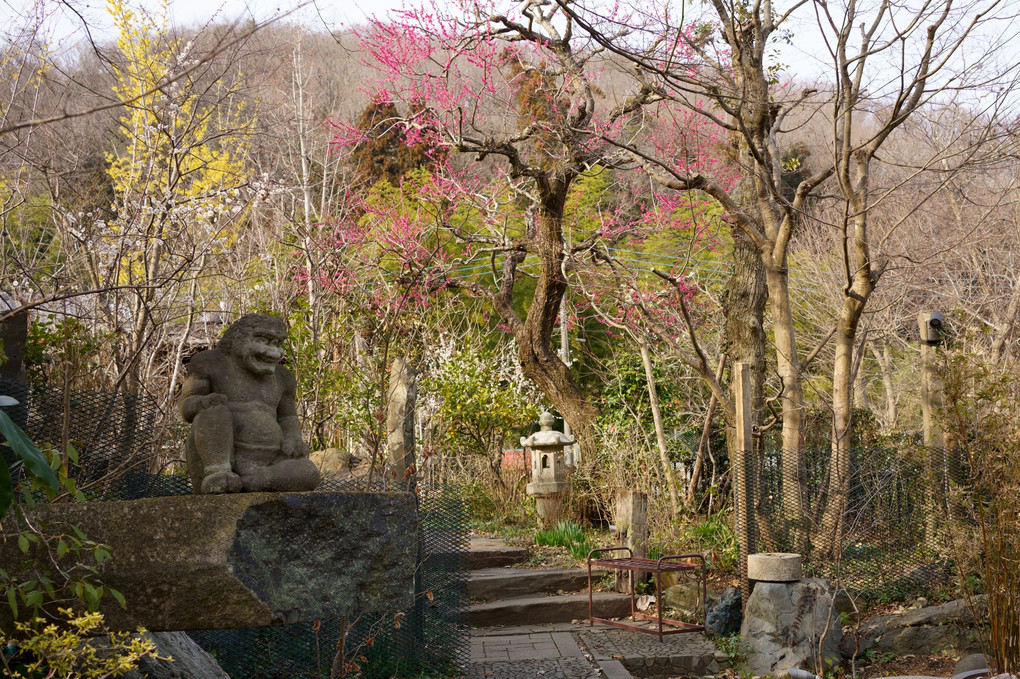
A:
198	562
956	611
974	661
932	629
846	606
784	624
724	615
685	597
333	463
774	567
189	660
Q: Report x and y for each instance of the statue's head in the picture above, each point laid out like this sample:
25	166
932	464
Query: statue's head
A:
255	341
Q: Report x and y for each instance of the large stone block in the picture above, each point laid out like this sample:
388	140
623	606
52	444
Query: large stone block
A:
788	625
249	559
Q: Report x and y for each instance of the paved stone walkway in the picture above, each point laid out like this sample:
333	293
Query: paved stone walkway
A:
578	651
547	651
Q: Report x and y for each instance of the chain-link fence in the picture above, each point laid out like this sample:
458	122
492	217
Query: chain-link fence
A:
112	433
874	520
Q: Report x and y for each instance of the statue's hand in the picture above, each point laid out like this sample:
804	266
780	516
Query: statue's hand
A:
294	447
210	401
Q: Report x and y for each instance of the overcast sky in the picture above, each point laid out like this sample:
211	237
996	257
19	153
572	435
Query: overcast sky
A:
807	56
333	14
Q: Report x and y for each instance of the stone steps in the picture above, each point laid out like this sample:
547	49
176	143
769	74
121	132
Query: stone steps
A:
502	583
544	609
524	596
491	553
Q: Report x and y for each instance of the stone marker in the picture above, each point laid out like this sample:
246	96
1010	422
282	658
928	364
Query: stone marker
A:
631	516
246	560
245	434
400	402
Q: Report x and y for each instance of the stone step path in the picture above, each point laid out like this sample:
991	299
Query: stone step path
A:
487	584
492	553
526	610
523	631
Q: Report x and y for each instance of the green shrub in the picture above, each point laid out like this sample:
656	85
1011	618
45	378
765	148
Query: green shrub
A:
714	536
568	535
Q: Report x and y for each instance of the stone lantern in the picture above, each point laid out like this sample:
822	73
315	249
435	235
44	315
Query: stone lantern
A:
548	469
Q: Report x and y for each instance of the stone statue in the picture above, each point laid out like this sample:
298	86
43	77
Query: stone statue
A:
245	434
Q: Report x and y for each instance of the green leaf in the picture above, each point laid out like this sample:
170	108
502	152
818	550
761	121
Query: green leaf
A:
119	597
61	548
91	596
35	462
23	544
12	601
6	489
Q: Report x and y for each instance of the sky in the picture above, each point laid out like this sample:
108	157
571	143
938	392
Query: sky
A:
806	55
65	18
333	14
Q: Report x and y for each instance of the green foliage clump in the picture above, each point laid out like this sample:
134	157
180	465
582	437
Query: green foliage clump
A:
568	535
714	536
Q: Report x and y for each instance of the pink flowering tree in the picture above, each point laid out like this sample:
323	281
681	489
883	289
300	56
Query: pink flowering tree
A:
528	111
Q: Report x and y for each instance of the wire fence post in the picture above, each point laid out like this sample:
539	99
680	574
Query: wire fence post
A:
742	496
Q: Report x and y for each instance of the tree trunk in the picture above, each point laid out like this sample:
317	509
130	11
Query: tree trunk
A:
884	358
788	367
660	434
539	361
743	304
827	539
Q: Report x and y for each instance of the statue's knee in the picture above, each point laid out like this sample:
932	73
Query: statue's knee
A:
216	416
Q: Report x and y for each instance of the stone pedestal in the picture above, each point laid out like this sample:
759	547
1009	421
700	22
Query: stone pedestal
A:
245	560
787	624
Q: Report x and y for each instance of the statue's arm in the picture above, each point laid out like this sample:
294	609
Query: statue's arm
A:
286	415
196	392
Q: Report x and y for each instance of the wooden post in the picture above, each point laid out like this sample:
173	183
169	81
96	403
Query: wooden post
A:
944	464
631	531
13	336
742	495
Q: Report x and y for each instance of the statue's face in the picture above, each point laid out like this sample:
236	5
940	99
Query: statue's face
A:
262	352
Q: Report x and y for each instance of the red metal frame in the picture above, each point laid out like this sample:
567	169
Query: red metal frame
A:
665	564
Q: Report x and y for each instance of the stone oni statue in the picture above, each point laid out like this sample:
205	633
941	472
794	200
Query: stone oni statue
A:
245	434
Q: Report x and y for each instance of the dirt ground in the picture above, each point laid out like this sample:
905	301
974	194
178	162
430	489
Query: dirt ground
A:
911	665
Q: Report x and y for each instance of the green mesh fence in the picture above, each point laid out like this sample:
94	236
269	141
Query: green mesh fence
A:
878	525
112	433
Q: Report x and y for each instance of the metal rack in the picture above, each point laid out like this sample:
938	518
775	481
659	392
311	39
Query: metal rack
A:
665	564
